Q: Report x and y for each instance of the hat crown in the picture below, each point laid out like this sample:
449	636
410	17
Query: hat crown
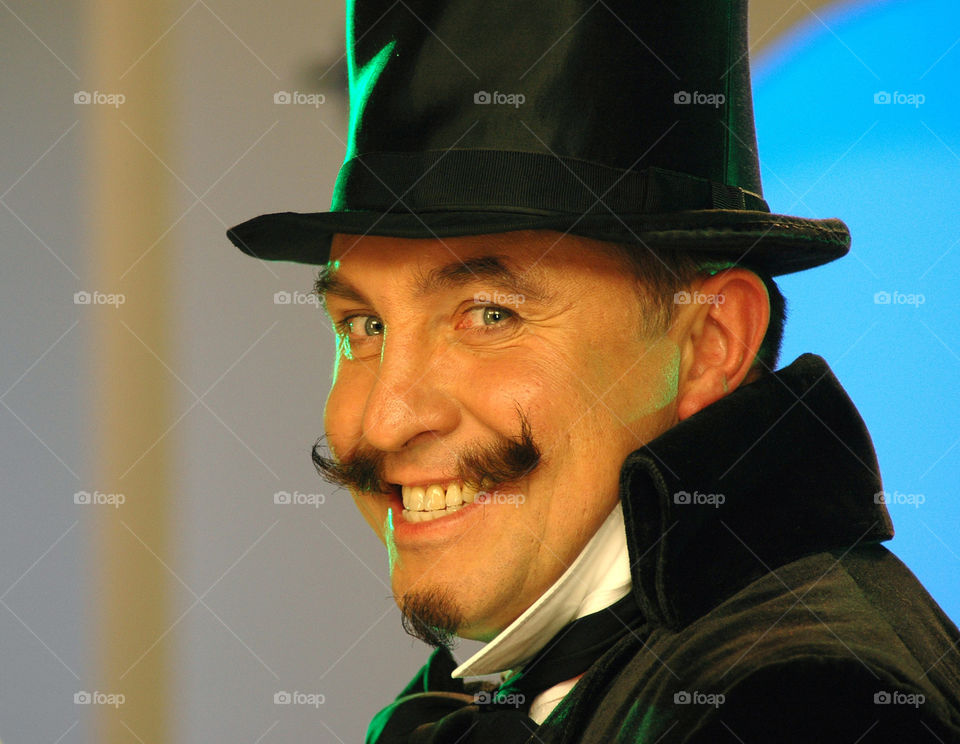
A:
627	85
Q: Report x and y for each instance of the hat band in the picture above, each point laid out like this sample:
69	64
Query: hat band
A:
524	182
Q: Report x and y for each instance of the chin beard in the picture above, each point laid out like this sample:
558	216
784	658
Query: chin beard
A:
432	617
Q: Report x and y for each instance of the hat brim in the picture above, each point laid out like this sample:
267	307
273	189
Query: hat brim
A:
774	243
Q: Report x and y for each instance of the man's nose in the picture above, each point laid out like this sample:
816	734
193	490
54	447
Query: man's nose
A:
410	396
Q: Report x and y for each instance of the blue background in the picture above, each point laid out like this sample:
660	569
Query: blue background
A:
892	173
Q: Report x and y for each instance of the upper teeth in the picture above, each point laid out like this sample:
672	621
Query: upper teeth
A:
436	496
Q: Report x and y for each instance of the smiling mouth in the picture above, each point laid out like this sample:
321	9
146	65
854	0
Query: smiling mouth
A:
425	503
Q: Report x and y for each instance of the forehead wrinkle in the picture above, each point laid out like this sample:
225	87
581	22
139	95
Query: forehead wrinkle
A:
459	273
478	269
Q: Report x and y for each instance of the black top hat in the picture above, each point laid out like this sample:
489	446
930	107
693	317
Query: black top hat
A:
619	120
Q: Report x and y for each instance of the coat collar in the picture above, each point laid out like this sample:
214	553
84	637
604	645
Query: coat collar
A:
780	468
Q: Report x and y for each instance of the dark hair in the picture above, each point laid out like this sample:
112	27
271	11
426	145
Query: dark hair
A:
661	274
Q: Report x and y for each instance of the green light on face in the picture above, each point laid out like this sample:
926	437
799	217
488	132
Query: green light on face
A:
672	372
343	349
662	363
342	341
393	558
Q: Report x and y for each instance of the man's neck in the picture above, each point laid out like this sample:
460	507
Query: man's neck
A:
598	577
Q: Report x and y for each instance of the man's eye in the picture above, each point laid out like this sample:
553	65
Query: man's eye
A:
487	317
364	325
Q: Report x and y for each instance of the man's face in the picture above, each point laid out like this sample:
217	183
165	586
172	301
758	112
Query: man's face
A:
444	342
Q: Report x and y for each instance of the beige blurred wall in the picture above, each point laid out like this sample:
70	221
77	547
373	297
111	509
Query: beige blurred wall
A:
771	19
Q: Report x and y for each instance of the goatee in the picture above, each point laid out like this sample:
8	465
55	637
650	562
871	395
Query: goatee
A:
432	617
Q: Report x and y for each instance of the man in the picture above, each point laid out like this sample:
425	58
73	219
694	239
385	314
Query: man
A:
549	270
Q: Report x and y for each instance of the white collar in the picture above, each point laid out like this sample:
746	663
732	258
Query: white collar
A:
597	578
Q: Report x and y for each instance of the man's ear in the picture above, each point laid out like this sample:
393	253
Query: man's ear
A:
719	333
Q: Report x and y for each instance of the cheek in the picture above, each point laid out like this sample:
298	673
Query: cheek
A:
647	391
569	384
665	381
493	389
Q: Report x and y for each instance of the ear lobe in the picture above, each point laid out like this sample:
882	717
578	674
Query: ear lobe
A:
732	311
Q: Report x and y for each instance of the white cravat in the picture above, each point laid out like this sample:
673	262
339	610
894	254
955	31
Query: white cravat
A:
597	578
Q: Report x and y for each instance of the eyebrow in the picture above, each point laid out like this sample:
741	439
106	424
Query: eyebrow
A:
491	269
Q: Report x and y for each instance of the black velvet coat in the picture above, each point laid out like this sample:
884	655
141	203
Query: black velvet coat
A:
772	613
